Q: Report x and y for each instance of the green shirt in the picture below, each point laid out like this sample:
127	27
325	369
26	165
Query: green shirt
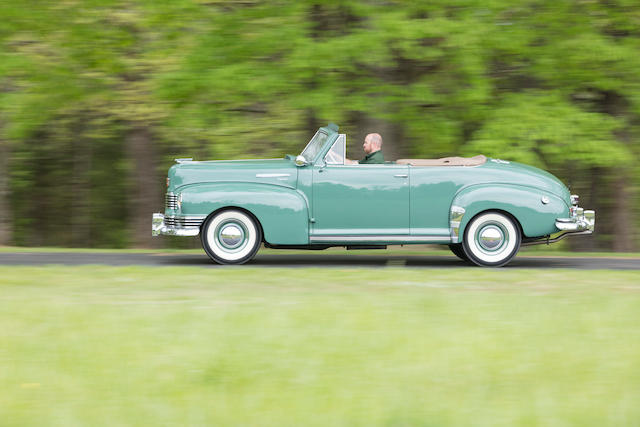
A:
375	157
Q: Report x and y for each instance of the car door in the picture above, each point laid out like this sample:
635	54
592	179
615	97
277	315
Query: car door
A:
359	203
432	191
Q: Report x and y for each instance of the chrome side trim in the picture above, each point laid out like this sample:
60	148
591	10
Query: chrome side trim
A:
455	218
272	175
380	238
500	161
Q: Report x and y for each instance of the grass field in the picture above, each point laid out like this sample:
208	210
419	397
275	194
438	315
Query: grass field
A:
409	250
105	346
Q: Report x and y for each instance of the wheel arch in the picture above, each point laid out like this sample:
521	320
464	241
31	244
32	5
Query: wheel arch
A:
525	205
238	208
496	210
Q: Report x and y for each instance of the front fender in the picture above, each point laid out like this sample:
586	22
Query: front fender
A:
282	212
525	204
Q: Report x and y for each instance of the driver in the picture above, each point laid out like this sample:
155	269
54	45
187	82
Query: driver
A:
372	148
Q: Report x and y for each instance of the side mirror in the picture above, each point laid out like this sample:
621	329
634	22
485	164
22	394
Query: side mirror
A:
301	161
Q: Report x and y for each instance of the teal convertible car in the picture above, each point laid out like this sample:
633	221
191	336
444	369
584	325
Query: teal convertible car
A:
484	209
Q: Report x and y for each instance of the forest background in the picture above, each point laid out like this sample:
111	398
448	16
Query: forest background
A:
98	97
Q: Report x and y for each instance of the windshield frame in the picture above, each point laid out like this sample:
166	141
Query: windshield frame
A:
315	143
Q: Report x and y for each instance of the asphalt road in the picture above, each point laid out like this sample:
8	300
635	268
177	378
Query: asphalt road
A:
310	259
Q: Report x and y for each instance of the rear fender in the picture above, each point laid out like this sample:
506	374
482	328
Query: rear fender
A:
536	210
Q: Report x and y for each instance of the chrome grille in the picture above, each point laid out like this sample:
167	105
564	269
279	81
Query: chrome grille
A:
183	221
171	201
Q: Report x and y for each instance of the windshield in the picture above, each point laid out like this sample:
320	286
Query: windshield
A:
314	146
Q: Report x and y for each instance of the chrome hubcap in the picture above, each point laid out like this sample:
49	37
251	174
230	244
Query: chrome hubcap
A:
231	235
490	238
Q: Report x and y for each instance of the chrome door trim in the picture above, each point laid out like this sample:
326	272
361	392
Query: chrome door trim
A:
272	175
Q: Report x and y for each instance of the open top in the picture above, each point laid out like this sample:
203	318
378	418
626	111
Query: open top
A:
445	161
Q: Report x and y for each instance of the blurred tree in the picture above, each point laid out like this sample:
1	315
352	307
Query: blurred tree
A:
549	132
576	76
98	97
6	225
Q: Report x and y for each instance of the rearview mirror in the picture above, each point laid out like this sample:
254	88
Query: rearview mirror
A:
301	161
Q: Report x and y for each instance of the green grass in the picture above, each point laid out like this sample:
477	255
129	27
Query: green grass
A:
105	346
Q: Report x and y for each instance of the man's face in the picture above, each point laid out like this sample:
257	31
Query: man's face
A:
368	147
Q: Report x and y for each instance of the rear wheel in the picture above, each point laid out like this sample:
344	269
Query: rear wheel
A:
231	237
491	239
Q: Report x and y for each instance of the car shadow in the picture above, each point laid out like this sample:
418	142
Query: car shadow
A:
378	261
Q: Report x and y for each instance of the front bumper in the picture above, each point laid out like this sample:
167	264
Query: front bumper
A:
579	221
176	225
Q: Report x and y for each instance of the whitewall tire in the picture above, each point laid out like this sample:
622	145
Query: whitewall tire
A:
231	237
491	239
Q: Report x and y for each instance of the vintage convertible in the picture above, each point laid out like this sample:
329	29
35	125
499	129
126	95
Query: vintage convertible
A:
484	209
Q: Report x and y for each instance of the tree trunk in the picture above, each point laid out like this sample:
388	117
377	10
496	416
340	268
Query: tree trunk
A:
81	193
590	198
144	195
623	224
6	230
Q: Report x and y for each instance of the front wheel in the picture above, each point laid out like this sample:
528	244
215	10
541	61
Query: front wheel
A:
457	250
491	239
231	237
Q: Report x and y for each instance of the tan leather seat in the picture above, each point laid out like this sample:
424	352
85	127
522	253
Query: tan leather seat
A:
445	161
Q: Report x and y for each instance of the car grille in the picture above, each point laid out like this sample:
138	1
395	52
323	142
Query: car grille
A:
171	201
185	221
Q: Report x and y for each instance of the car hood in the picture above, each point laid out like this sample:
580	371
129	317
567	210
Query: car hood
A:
280	172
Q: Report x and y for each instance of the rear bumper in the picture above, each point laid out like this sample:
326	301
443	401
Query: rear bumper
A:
580	221
176	225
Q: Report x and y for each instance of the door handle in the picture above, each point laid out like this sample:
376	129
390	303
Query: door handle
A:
401	175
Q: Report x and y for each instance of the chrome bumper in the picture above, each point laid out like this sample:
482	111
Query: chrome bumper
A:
580	220
176	226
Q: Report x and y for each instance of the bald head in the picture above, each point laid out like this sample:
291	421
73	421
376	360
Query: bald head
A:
372	143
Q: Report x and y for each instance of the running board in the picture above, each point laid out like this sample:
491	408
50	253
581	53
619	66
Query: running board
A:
392	239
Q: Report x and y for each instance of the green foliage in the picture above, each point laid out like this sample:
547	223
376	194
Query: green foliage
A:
554	84
546	131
